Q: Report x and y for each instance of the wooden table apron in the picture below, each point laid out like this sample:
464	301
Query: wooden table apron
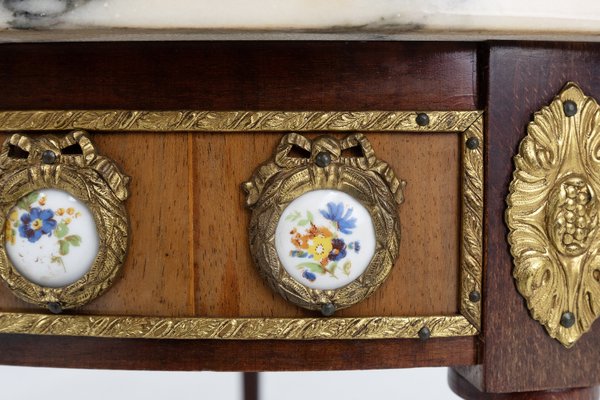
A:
509	80
209	76
518	354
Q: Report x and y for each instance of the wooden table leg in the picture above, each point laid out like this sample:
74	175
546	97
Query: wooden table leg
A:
466	390
251	390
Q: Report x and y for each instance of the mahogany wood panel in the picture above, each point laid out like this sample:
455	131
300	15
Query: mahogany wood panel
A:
518	354
464	389
425	279
239	75
224	355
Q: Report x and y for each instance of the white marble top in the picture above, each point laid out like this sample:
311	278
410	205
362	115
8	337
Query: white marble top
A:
41	20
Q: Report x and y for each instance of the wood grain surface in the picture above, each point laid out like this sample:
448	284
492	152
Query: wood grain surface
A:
518	354
424	280
172	198
156	278
189	254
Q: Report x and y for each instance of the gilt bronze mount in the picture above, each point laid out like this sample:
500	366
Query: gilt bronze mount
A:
321	243
48	186
466	124
553	215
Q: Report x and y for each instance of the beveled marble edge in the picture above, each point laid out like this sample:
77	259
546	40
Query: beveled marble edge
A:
234	328
136	34
93	20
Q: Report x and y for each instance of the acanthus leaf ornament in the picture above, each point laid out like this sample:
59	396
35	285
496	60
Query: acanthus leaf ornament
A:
552	215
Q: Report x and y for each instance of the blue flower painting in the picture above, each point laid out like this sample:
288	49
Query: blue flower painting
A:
309	275
37	222
335	213
338	251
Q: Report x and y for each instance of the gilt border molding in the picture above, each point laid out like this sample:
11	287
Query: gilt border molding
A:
235	329
234	121
468	124
471	257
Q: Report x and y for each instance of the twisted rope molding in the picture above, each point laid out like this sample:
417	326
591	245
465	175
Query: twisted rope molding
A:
233	121
234	329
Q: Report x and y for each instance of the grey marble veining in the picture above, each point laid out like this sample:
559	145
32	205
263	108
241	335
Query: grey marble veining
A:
25	14
31	20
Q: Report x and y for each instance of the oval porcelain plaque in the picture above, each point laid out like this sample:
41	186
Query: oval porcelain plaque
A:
325	239
324	231
51	238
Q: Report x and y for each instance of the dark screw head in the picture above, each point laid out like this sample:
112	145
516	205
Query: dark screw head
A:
54	307
422	119
472	143
323	159
474	296
424	333
567	319
570	108
327	309
48	157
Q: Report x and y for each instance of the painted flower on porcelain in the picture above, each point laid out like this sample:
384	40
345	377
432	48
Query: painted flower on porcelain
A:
323	248
335	213
325	239
37	221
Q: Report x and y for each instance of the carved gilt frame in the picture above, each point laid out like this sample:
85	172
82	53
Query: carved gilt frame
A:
93	179
275	184
468	124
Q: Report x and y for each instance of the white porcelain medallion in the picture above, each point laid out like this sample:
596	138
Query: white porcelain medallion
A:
51	238
325	239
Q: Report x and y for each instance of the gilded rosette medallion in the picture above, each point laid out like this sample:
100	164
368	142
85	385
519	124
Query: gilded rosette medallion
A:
65	225
324	230
553	215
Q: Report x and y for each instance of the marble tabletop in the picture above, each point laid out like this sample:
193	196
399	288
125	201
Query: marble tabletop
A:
75	20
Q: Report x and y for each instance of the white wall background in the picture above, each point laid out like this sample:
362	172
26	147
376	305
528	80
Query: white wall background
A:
21	383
